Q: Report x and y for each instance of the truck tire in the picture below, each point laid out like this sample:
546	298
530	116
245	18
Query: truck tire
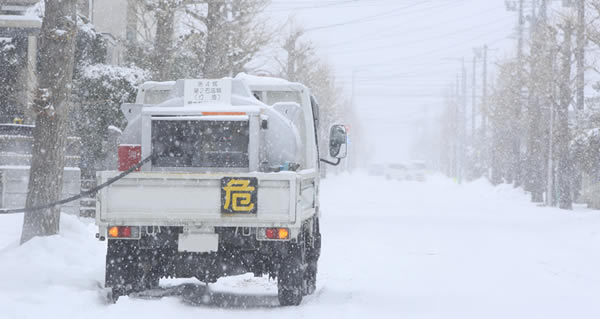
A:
121	266
290	279
310	278
147	275
124	269
312	258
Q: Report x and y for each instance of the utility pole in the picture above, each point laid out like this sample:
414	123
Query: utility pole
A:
516	160
293	54
520	40
580	55
514	175
463	138
544	11
457	162
533	171
474	102
550	177
353	99
484	93
487	154
564	176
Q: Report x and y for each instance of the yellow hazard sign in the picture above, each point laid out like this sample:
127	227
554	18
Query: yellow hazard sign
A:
239	195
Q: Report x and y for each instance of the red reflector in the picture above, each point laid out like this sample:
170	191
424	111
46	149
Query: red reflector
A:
125	231
277	233
271	233
129	155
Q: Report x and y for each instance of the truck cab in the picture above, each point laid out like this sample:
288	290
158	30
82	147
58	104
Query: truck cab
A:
225	184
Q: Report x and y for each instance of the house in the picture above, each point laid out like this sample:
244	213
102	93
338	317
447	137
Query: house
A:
20	25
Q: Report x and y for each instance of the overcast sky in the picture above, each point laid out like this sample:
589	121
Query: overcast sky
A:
406	54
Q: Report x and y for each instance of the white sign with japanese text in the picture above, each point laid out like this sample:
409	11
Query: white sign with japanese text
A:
207	91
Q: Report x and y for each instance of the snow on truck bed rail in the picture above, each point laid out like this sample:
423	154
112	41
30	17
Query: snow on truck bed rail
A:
261	80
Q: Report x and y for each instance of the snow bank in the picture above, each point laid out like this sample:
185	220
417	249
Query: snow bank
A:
390	250
49	272
443	250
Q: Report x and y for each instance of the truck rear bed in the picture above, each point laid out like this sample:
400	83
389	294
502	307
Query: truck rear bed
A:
182	199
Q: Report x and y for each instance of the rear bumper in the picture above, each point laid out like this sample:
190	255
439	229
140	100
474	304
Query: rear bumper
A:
237	254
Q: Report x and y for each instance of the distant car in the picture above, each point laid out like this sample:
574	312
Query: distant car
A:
377	170
397	171
416	171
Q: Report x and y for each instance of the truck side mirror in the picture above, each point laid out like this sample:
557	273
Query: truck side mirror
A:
338	141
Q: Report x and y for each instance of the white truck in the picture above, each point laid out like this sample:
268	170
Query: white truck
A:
229	185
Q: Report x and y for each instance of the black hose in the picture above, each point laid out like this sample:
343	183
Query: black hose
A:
76	197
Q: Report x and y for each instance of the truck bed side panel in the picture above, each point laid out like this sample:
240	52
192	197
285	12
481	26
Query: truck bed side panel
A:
186	199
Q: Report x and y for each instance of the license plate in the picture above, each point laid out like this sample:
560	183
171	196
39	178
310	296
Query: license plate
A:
239	195
198	243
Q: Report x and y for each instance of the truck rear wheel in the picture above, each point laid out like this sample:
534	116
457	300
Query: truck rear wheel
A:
313	253
290	279
121	264
125	272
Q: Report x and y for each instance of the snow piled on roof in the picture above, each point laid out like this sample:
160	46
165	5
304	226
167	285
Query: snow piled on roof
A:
36	11
115	129
83	25
157	84
261	80
134	75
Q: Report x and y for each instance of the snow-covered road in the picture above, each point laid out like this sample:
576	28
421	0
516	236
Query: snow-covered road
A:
390	249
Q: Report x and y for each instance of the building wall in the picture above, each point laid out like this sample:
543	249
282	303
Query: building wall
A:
110	16
19	2
14	180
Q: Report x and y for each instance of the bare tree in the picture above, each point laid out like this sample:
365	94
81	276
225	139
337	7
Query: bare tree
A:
302	64
222	35
164	13
217	39
233	35
52	107
297	54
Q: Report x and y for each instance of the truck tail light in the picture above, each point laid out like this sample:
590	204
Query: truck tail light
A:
124	232
129	155
277	233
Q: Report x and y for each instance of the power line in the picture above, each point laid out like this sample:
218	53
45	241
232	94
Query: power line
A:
369	35
326	5
368	18
387	63
422	39
321	4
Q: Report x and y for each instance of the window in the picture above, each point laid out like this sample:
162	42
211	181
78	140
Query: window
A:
283	96
155	96
207	144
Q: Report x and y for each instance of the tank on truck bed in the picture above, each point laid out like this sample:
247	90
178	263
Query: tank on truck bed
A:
230	185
